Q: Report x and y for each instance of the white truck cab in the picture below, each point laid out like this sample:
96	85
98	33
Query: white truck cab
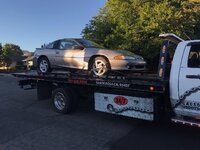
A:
185	79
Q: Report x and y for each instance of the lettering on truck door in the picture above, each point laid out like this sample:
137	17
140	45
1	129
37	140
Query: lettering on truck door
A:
189	82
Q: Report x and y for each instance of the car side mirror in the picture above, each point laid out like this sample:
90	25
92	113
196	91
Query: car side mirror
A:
78	47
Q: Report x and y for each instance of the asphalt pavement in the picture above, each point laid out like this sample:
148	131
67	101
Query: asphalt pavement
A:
29	124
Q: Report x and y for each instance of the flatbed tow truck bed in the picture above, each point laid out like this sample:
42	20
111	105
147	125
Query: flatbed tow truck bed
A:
137	83
135	96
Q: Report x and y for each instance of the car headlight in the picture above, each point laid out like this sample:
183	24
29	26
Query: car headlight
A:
130	57
121	57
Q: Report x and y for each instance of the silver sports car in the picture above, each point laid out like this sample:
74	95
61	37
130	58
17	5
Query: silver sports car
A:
87	55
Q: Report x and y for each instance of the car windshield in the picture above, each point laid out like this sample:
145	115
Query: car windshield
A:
89	44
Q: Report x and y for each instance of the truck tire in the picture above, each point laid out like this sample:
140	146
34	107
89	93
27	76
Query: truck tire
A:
62	99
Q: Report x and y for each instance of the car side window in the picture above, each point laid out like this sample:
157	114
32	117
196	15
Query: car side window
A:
67	44
50	45
194	57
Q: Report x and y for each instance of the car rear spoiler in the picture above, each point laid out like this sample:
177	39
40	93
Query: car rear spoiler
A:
171	37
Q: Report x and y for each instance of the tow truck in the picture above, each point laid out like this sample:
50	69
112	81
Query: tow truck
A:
173	92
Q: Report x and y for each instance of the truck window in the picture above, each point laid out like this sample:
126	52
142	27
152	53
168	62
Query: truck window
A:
193	59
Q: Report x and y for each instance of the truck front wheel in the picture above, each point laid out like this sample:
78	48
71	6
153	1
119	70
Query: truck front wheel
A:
62	100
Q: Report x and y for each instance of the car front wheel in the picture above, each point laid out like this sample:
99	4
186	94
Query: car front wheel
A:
43	65
99	66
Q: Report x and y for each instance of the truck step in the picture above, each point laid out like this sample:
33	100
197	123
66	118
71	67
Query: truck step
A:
187	121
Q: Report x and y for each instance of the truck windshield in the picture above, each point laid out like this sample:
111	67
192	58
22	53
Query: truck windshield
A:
89	44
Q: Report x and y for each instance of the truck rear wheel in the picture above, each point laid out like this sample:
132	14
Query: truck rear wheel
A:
62	99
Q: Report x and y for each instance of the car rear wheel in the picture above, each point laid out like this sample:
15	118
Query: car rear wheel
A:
99	66
43	65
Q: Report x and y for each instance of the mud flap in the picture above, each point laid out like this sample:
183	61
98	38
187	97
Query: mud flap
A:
44	90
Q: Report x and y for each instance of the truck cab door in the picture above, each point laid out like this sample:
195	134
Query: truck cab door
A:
189	82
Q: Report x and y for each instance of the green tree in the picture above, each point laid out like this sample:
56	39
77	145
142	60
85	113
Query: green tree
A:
9	52
135	24
0	48
1	56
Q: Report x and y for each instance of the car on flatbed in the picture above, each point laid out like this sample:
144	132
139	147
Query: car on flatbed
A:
84	54
173	93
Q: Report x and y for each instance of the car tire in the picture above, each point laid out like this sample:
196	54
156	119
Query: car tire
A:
99	66
63	99
43	66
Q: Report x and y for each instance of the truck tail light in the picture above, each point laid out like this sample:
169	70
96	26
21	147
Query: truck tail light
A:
160	72
152	88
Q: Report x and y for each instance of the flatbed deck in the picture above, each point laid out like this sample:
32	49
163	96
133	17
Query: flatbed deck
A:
144	83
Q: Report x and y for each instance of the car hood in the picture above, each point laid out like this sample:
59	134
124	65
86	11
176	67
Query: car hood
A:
128	53
110	53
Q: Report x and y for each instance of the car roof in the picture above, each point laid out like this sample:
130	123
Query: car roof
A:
71	39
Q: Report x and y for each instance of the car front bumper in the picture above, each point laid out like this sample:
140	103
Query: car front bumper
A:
35	59
127	65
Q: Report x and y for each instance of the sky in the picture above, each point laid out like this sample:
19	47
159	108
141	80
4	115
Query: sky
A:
31	23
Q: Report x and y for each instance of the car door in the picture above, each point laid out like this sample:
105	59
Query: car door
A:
189	81
67	56
50	52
